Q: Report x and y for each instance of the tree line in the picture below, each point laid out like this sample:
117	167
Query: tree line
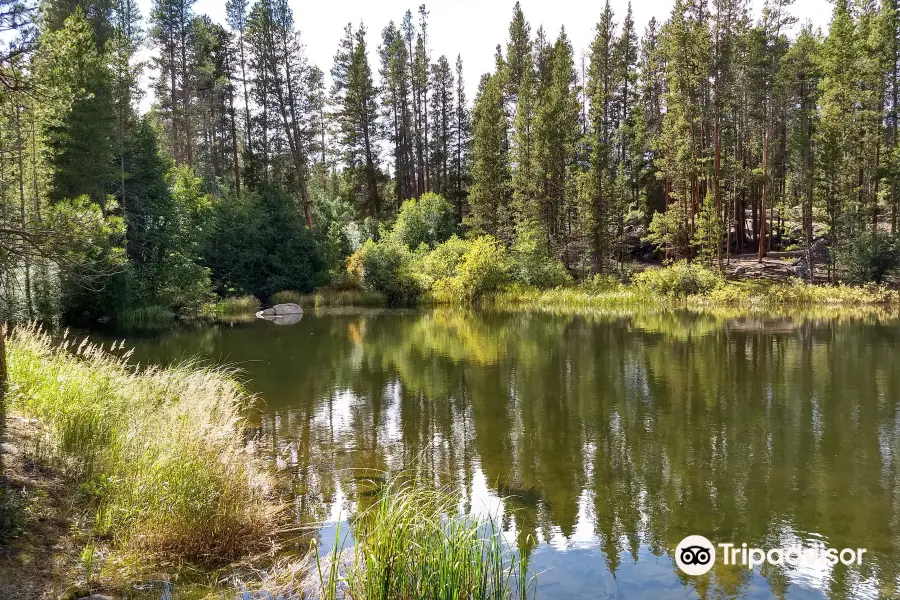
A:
710	134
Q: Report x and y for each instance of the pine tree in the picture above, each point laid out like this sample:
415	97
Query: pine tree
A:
489	196
525	184
80	116
800	74
835	135
518	52
170	32
355	101
648	116
236	15
557	131
624	100
685	48
598	185
461	132
397	107
442	109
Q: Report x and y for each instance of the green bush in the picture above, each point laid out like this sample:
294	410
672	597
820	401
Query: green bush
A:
429	220
387	267
533	265
441	262
258	244
484	268
540	271
869	257
678	280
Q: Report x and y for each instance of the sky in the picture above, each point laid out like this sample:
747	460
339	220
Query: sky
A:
472	28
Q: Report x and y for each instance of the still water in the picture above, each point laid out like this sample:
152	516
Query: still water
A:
600	440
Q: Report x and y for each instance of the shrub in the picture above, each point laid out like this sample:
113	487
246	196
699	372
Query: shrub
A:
532	264
429	220
484	268
678	280
258	244
386	267
540	271
869	257
601	283
441	262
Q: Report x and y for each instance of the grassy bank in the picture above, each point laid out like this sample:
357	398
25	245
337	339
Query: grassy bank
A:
727	294
157	455
326	297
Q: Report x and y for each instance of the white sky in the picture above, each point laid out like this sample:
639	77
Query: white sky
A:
471	28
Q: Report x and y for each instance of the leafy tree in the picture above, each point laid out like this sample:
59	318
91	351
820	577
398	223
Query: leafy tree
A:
428	220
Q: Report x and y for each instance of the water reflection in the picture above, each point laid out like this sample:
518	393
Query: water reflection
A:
601	439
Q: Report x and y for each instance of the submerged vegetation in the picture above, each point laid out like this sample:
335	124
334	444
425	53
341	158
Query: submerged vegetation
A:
158	454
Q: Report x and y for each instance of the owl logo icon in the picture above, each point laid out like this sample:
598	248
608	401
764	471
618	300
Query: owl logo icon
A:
695	555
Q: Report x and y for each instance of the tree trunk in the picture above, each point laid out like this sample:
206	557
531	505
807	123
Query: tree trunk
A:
4	376
762	216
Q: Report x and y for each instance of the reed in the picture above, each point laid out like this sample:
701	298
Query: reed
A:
158	454
323	298
412	542
233	306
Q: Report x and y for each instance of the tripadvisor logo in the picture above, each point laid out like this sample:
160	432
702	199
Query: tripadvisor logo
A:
696	555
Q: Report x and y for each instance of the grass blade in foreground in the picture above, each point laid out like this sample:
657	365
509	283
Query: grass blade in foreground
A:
413	543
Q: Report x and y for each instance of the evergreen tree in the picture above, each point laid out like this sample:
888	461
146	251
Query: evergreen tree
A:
79	112
396	105
442	110
598	183
355	101
170	32
461	132
557	131
835	135
489	196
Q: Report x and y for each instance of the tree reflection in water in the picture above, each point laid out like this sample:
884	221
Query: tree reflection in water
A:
610	435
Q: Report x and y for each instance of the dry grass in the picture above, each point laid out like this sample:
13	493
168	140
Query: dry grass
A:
158	453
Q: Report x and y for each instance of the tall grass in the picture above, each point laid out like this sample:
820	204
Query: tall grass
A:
158	453
324	298
234	306
413	543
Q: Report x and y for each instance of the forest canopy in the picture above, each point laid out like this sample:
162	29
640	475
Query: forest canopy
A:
705	135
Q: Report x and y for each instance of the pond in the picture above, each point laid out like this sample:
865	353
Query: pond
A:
600	440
